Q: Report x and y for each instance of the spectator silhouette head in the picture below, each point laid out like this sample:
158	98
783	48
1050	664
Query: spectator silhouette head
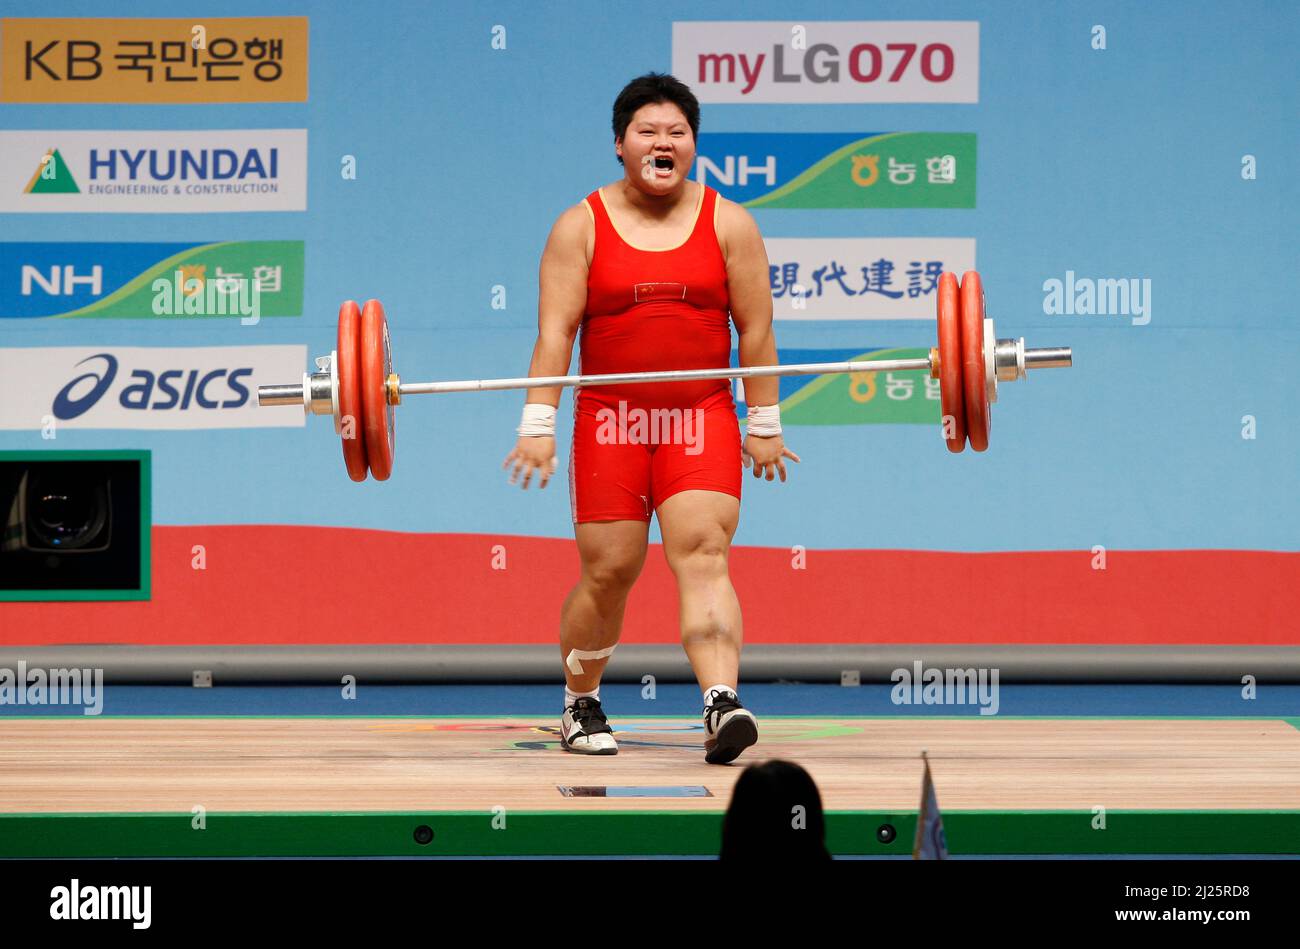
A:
775	814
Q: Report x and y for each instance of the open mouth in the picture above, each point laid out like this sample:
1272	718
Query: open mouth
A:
662	164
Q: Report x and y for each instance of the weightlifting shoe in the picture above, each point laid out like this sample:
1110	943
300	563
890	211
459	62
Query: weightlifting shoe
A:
583	729
729	728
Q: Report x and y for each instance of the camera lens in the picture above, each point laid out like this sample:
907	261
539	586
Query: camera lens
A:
63	516
67	513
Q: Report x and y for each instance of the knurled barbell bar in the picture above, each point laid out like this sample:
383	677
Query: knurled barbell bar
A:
356	385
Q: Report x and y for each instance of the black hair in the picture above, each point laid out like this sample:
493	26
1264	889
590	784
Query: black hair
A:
647	90
764	822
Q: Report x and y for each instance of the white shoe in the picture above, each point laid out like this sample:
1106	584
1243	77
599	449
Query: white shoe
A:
729	728
583	729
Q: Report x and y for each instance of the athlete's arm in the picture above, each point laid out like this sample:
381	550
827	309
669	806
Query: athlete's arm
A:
748	286
751	310
562	299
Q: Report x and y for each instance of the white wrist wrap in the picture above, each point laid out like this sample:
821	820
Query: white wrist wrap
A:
764	420
538	419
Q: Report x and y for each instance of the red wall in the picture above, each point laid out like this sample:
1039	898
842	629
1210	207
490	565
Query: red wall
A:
292	585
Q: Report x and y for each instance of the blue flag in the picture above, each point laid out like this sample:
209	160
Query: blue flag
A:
930	843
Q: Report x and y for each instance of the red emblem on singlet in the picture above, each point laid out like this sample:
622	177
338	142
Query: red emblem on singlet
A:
644	292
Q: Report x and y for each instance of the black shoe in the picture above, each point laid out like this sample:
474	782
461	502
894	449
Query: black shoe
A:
584	731
729	728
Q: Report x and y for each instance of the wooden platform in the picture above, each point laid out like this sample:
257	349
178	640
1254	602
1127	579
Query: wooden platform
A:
130	786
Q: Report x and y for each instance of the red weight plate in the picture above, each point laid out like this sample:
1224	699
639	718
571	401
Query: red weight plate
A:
972	352
376	366
350	409
951	396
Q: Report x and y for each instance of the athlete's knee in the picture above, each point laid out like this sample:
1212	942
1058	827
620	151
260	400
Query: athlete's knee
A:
611	575
704	551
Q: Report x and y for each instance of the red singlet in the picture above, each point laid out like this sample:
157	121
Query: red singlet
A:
636	445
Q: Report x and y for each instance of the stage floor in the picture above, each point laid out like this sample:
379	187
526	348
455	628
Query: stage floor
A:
473	784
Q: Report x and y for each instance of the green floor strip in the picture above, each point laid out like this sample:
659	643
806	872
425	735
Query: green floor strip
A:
528	833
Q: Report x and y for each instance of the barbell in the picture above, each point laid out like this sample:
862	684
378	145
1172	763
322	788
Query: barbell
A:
356	384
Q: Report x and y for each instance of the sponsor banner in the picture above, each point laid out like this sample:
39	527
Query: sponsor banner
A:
840	169
862	278
853	398
116	280
139	387
844	61
184	60
153	172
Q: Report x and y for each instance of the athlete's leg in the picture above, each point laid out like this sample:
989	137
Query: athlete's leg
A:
696	486
697	530
612	554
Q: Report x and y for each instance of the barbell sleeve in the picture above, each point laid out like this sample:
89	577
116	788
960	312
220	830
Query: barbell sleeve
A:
280	395
1052	357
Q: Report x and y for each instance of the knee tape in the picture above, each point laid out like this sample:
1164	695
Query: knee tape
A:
571	660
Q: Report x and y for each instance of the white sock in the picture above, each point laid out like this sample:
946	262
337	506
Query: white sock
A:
570	697
708	693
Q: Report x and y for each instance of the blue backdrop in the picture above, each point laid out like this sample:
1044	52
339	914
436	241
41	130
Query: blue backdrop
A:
1118	162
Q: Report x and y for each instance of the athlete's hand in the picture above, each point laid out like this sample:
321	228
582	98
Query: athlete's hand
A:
532	453
766	454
